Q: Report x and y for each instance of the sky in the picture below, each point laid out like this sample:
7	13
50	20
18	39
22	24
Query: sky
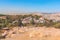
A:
30	6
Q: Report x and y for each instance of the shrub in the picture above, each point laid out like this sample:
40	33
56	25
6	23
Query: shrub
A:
57	25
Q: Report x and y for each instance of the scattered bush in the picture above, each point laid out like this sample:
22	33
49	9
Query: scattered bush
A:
10	18
57	25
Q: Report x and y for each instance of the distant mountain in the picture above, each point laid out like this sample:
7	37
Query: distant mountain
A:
33	13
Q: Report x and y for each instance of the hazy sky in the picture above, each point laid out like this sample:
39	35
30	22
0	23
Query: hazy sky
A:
29	5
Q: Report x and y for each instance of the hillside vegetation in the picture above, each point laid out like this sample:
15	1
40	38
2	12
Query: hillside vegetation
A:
31	23
28	20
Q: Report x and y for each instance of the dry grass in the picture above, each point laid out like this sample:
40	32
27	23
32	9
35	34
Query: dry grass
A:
35	33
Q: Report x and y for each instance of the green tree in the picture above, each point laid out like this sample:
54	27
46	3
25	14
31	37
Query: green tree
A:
32	21
20	21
